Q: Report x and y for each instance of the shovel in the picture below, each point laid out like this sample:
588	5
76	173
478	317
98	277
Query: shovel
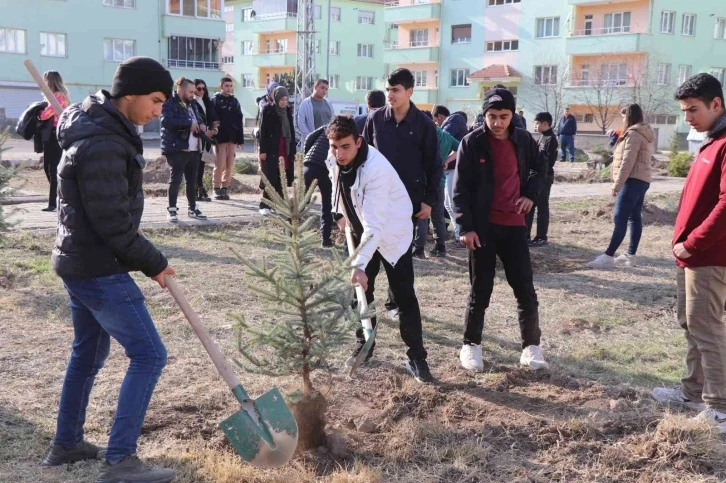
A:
369	332
264	431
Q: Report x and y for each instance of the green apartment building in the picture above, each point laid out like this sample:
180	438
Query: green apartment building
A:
85	40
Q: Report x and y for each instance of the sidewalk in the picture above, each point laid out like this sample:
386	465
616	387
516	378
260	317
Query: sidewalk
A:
243	208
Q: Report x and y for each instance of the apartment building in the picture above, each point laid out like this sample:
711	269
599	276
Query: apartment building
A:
85	40
591	55
349	53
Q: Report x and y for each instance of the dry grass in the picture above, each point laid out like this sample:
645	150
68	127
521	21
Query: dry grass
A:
506	424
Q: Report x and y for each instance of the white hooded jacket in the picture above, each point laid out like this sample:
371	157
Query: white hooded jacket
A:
383	206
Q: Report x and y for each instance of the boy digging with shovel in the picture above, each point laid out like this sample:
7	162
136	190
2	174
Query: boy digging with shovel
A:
98	243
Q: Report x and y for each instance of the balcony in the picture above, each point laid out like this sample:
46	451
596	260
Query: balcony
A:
425	95
606	41
412	54
273	22
599	83
582	3
274	58
408	11
192	27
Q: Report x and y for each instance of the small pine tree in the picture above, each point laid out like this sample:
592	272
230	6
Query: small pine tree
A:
674	146
5	174
309	302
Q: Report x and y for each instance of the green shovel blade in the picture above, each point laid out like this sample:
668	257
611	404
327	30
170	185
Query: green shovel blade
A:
361	357
264	431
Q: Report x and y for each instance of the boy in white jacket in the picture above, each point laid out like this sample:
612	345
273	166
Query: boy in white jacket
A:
369	194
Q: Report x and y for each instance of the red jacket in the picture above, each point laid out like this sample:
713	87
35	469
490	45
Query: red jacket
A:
701	220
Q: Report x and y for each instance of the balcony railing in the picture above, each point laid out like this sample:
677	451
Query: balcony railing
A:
413	44
406	3
274	16
602	83
272	51
191	64
626	29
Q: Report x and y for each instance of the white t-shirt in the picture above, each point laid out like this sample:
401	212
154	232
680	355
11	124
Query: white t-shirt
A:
193	140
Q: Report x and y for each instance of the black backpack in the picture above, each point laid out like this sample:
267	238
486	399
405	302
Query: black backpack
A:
28	123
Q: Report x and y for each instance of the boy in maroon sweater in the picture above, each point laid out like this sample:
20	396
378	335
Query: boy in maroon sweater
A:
698	246
499	173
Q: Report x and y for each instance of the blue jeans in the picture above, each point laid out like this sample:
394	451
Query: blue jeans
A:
628	208
102	308
449	200
567	140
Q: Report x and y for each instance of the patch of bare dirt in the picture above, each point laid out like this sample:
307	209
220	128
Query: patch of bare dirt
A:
156	179
652	214
587	176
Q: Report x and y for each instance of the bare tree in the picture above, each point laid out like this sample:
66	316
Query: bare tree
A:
652	89
601	91
548	87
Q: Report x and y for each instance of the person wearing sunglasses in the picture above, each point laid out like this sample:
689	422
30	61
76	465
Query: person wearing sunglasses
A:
208	119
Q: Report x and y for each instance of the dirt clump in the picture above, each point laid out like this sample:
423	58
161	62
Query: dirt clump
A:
652	214
309	412
156	179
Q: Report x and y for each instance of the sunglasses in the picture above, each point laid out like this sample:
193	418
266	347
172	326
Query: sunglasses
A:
201	88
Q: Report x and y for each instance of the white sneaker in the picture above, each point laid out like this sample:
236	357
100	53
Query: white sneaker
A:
532	357
627	260
265	211
603	261
171	215
716	418
673	396
197	214
392	314
470	357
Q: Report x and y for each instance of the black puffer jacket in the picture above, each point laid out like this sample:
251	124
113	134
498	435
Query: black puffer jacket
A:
229	115
271	131
474	176
100	194
316	148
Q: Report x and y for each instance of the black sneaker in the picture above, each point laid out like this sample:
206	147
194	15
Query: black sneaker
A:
202	194
196	213
48	209
438	251
132	470
419	253
225	196
419	369
356	351
218	194
538	242
58	455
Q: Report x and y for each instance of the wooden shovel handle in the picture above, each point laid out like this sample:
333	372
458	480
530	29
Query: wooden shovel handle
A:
43	86
221	364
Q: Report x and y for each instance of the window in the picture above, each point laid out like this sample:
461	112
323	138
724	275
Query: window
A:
585	74
493	3
461	34
664	74
12	41
195	8
365	50
667	22
193	53
548	27
663	119
318	45
459	77
719	73
52	45
419	78
545	74
248	80
229	27
228	8
689	25
363	83
334	47
502	45
228	59
614	74
585	118
720	30
366	17
588	25
317	11
616	23
419	37
120	3
246	14
118	50
684	73
246	47
334	81
335	14
280	46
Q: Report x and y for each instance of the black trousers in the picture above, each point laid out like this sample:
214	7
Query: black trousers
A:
326	189
52	154
400	280
183	164
272	171
543	211
200	172
509	243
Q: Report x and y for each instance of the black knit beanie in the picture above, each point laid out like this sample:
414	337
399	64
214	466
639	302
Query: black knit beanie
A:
140	76
498	98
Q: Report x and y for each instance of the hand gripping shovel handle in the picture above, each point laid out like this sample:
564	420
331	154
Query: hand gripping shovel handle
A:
359	292
217	358
43	86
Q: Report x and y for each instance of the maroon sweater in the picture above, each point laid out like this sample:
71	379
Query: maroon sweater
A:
506	184
701	220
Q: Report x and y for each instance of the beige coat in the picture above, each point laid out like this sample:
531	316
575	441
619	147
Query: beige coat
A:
632	156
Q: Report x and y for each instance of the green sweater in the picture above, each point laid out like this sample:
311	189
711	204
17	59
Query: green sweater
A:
447	144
